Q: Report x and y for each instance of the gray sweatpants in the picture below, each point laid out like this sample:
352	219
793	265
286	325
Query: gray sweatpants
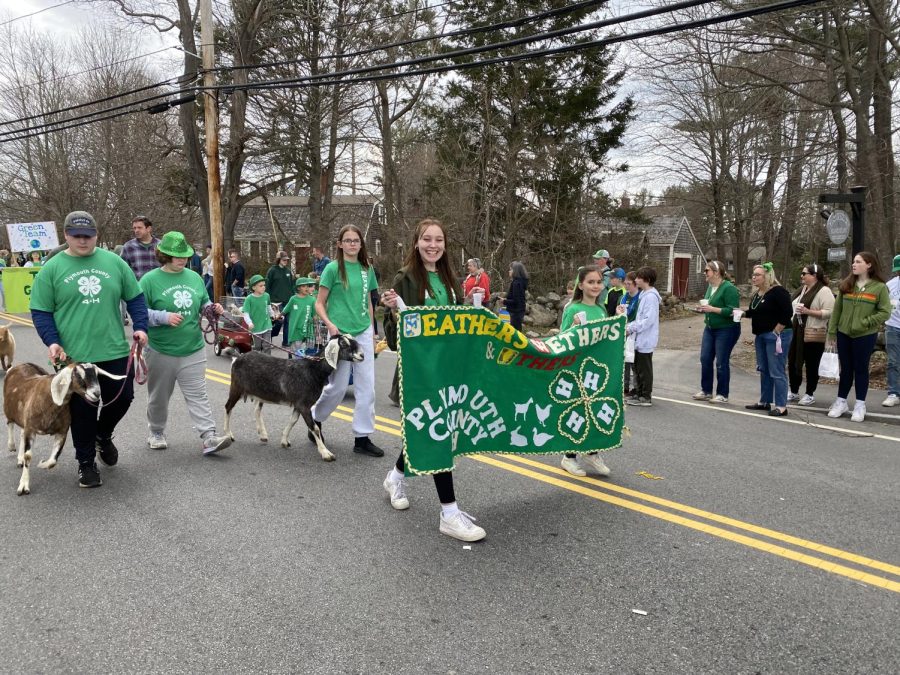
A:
190	374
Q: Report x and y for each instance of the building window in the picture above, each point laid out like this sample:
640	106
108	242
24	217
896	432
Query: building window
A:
378	247
699	264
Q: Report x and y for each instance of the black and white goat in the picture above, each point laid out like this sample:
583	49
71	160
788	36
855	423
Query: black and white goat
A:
38	403
294	382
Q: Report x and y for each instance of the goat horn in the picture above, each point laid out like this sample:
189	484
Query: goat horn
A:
109	375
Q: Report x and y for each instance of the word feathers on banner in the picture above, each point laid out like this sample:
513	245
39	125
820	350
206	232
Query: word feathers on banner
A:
471	383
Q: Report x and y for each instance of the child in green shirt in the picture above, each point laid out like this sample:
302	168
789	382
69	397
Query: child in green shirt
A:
301	308
257	314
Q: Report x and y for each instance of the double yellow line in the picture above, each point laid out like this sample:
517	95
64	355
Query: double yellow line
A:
819	556
763	539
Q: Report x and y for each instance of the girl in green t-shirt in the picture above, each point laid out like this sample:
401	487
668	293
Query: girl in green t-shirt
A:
584	308
345	306
257	314
176	354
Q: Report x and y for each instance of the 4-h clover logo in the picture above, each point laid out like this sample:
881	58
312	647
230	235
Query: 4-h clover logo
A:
89	286
583	394
183	299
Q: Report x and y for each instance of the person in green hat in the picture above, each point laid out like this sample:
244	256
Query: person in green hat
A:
892	338
175	297
301	312
258	314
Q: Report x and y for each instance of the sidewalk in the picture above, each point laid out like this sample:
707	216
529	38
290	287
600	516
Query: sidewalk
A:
677	373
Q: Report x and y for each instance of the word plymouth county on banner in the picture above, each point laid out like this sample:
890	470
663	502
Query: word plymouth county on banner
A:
470	383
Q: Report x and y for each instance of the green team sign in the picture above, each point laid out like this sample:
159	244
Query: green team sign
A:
470	383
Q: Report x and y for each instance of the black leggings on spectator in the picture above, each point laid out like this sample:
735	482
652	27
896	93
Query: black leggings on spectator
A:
442	481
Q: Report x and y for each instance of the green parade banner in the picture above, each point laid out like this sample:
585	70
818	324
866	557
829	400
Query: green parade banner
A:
470	383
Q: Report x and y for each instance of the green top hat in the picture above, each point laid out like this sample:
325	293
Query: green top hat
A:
175	245
304	281
255	279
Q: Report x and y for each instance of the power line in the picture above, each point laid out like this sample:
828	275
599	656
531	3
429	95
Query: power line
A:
40	11
654	32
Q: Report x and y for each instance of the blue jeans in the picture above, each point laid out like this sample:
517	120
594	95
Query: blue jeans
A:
892	347
773	383
717	346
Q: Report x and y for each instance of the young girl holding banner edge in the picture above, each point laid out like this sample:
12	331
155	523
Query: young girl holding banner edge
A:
345	306
585	307
428	279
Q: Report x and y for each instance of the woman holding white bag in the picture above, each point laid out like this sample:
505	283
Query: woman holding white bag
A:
812	309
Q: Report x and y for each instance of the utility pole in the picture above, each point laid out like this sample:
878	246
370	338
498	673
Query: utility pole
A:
211	125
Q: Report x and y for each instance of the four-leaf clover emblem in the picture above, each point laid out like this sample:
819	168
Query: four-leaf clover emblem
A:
583	393
89	286
183	299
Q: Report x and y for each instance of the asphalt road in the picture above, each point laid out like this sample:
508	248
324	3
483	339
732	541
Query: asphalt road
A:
748	545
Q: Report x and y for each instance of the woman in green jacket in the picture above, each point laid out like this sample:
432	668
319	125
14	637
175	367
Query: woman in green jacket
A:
720	334
862	305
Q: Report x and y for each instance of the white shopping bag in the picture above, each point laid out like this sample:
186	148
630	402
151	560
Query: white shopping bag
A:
629	349
829	366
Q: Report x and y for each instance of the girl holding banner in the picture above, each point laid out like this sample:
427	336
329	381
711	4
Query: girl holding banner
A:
427	278
585	307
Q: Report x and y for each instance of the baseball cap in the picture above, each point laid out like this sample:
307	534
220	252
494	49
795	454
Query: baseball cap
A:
80	223
619	273
602	253
304	281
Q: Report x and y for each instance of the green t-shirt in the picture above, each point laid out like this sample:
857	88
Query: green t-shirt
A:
441	297
83	293
348	307
302	326
180	293
257	308
594	312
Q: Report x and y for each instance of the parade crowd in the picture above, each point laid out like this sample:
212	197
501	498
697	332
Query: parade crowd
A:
84	295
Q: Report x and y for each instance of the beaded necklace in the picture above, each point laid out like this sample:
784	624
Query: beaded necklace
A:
754	302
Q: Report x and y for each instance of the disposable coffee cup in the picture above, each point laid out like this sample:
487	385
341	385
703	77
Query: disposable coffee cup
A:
582	317
704	302
736	315
476	299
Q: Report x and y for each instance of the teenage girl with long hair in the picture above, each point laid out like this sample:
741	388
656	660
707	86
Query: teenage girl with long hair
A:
427	278
344	304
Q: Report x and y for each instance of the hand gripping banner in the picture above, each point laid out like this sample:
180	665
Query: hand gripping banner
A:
470	383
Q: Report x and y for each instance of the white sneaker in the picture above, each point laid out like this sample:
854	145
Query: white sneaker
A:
570	464
595	463
397	491
212	444
859	412
838	408
806	400
460	526
718	398
891	401
792	397
157	442
701	396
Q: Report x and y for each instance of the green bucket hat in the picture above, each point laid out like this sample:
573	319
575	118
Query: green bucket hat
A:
175	245
255	279
304	281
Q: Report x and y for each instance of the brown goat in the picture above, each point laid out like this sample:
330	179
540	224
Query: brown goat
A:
38	402
7	347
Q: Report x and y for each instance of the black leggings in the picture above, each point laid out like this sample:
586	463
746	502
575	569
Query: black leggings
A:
87	425
812	356
442	481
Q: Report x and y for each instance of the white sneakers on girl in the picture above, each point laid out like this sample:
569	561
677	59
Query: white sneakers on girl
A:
792	397
838	408
571	465
859	412
806	400
718	398
595	463
701	396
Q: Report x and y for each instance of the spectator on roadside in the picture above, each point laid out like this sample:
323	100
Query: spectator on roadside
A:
813	305
615	290
207	271
515	297
4	254
196	262
891	338
862	305
770	314
321	261
234	277
34	259
75	309
645	328
601	259
720	333
140	252
629	307
280	287
476	281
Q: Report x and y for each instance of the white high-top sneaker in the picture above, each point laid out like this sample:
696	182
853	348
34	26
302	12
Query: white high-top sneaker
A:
838	408
859	412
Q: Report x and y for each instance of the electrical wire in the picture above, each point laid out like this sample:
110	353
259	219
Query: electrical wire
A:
40	11
627	37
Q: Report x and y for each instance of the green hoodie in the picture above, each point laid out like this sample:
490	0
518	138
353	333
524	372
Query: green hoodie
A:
725	298
861	312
